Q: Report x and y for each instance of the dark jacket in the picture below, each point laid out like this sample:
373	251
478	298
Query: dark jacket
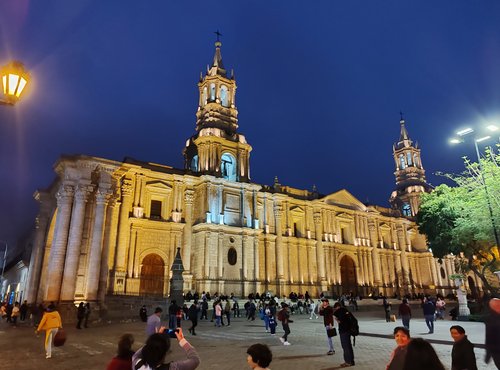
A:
429	308
404	309
344	318
462	355
398	358
327	313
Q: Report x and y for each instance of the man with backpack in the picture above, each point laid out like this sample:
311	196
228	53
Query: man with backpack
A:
348	325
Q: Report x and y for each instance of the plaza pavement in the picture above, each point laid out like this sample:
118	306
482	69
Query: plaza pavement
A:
225	348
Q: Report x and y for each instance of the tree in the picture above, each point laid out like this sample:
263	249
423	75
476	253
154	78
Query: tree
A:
462	219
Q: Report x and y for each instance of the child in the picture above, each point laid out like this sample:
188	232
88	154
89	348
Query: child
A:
272	324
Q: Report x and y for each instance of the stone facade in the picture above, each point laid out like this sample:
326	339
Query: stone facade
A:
113	228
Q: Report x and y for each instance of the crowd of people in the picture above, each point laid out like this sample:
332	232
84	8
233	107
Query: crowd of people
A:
338	320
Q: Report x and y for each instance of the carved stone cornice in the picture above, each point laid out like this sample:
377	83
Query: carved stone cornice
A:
317	218
65	193
82	192
103	195
126	187
189	197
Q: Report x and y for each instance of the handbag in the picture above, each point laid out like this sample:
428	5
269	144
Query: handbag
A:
60	338
332	332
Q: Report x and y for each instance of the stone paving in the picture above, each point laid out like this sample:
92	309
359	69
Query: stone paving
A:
225	348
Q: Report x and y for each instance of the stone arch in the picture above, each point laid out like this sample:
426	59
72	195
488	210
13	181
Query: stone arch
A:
228	166
152	275
348	276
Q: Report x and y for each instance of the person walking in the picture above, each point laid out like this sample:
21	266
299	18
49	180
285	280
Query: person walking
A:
227	312
80	315
204	309
51	323
143	313
440	308
218	313
16	311
87	315
193	316
284	317
404	311
172	315
344	318
154	322
462	354
326	311
387	309
23	310
312	309
429	311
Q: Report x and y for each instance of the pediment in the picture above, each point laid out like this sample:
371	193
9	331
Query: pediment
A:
297	211
384	227
343	198
158	185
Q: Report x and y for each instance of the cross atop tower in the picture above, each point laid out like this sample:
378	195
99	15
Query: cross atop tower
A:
218	35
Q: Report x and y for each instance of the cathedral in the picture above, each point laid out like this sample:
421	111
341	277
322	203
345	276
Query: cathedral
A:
114	228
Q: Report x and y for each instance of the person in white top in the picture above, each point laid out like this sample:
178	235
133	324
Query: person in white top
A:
312	308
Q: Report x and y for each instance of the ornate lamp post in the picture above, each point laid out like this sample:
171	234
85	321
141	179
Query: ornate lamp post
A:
14	80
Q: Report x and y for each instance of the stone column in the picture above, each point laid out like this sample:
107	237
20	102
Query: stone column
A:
103	278
207	256
95	254
74	242
320	254
432	268
220	253
256	264
187	239
375	255
365	267
278	213
58	250
35	266
123	236
370	266
399	278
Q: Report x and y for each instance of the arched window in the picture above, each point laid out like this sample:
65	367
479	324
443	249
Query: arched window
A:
194	164
408	158
402	162
415	160
406	210
204	96
443	274
228	167
232	256
212	92
224	98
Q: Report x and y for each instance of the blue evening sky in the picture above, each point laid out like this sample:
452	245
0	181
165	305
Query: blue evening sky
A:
320	86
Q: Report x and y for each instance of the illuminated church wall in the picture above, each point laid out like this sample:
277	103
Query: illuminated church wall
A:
108	227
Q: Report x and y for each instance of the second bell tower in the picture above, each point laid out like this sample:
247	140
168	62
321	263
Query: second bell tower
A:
217	148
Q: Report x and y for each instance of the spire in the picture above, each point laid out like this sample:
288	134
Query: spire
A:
404	139
217	65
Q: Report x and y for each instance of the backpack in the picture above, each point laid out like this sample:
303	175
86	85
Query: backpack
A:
281	315
353	327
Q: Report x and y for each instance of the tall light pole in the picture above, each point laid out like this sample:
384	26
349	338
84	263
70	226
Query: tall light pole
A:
3	267
14	79
463	133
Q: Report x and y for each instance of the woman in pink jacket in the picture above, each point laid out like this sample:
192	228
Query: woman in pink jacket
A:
51	322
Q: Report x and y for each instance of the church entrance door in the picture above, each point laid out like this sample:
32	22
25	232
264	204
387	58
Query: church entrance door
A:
152	275
348	275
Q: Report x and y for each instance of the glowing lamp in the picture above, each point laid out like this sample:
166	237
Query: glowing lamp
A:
14	79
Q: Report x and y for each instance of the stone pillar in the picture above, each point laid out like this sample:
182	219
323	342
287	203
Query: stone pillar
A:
278	213
74	242
370	266
123	236
95	253
365	268
188	217
256	264
432	268
58	250
207	256
399	277
220	258
320	254
103	278
375	255
35	266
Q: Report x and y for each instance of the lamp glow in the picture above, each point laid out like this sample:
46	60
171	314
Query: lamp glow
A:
482	139
465	131
492	127
455	141
15	78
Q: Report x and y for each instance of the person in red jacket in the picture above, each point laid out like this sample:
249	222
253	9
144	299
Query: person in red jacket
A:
123	359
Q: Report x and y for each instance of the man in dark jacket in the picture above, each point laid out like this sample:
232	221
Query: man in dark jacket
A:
193	316
462	354
326	311
80	315
429	311
343	317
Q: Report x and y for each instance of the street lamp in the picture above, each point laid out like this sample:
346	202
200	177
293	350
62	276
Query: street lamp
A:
14	79
463	133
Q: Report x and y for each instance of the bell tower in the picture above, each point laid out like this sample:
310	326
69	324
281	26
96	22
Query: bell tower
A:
217	148
410	175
